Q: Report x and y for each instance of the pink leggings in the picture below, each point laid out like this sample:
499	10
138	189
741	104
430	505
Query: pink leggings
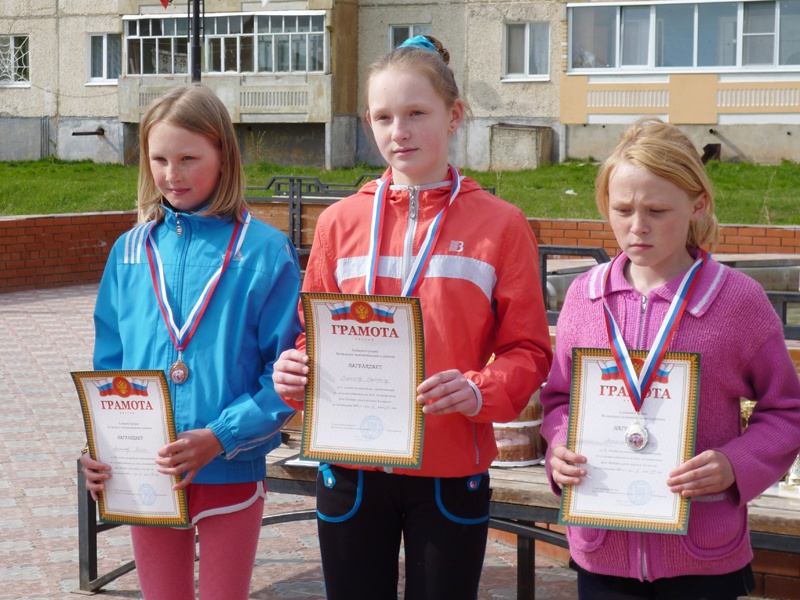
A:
228	542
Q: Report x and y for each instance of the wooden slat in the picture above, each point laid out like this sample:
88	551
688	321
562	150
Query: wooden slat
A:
528	486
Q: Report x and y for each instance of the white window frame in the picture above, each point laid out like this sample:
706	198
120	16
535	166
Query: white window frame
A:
11	60
226	38
526	76
618	68
414	29
104	79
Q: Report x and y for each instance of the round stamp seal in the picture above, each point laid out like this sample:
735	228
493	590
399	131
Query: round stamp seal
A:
147	494
371	427
639	492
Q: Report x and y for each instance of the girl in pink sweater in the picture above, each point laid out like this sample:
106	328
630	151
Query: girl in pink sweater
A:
657	198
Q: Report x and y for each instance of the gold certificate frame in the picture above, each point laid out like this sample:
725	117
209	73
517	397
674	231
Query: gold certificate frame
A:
625	488
128	418
367	358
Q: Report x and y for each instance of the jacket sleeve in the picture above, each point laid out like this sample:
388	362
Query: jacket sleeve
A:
251	419
555	393
523	352
107	341
771	441
320	276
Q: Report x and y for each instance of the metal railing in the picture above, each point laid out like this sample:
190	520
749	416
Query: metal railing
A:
294	190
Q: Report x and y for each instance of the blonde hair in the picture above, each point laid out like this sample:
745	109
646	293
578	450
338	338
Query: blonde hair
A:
195	108
433	65
664	151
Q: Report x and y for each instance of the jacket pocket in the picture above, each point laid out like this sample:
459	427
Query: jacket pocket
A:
339	493
586	539
715	529
464	500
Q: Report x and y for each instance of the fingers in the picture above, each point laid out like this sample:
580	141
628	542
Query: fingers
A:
189	453
707	473
565	466
187	479
289	374
95	474
447	392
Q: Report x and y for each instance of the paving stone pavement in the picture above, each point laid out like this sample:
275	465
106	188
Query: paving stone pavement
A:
44	335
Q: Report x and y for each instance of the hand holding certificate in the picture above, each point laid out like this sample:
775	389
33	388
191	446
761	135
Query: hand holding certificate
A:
626	482
128	418
366	361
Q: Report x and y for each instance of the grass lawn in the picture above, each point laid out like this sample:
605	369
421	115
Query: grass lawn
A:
745	193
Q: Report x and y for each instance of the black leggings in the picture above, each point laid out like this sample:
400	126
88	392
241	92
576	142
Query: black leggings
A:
687	587
362	516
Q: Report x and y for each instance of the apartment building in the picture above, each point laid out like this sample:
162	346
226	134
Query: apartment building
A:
545	80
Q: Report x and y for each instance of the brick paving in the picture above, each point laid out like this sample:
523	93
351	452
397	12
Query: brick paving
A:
43	336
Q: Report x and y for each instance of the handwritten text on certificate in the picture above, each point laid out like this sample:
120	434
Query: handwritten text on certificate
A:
626	488
366	363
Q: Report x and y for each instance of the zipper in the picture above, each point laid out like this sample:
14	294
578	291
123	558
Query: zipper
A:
178	226
180	292
641	337
641	321
411	230
644	558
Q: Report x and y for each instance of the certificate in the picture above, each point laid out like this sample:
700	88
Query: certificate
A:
128	418
366	360
626	488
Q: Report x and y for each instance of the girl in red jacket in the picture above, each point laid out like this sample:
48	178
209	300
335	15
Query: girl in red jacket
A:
479	296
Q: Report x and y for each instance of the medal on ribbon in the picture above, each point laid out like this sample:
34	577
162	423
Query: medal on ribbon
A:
422	259
178	371
638	376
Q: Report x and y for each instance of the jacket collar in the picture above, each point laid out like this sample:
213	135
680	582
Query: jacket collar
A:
708	286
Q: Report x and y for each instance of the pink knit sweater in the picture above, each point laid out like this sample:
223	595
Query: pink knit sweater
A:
732	324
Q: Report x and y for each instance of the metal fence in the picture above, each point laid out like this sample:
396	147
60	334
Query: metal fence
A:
293	190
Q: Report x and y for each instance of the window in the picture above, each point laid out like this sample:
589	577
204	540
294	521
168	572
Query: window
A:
717	46
290	43
105	57
594	43
241	43
635	35
789	45
157	46
400	33
758	33
685	35
14	60
528	50
674	35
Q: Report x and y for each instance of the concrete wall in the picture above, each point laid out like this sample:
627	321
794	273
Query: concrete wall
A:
32	138
105	148
60	92
768	143
473	32
286	144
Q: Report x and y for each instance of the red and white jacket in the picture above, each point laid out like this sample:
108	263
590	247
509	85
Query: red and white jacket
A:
480	295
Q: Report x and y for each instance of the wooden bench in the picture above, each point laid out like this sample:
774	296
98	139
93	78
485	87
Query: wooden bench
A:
522	504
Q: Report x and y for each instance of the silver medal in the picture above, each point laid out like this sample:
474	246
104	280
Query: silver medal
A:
636	437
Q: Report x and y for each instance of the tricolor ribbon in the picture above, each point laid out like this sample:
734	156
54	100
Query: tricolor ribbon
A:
638	386
426	250
181	336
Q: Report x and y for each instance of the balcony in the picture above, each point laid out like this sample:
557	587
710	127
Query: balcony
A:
284	98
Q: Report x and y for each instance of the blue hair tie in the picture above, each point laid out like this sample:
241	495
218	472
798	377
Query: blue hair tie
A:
419	41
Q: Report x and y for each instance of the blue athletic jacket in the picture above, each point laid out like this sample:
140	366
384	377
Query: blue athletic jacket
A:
251	318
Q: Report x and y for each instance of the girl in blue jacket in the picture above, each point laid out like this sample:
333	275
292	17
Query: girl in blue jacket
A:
200	289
